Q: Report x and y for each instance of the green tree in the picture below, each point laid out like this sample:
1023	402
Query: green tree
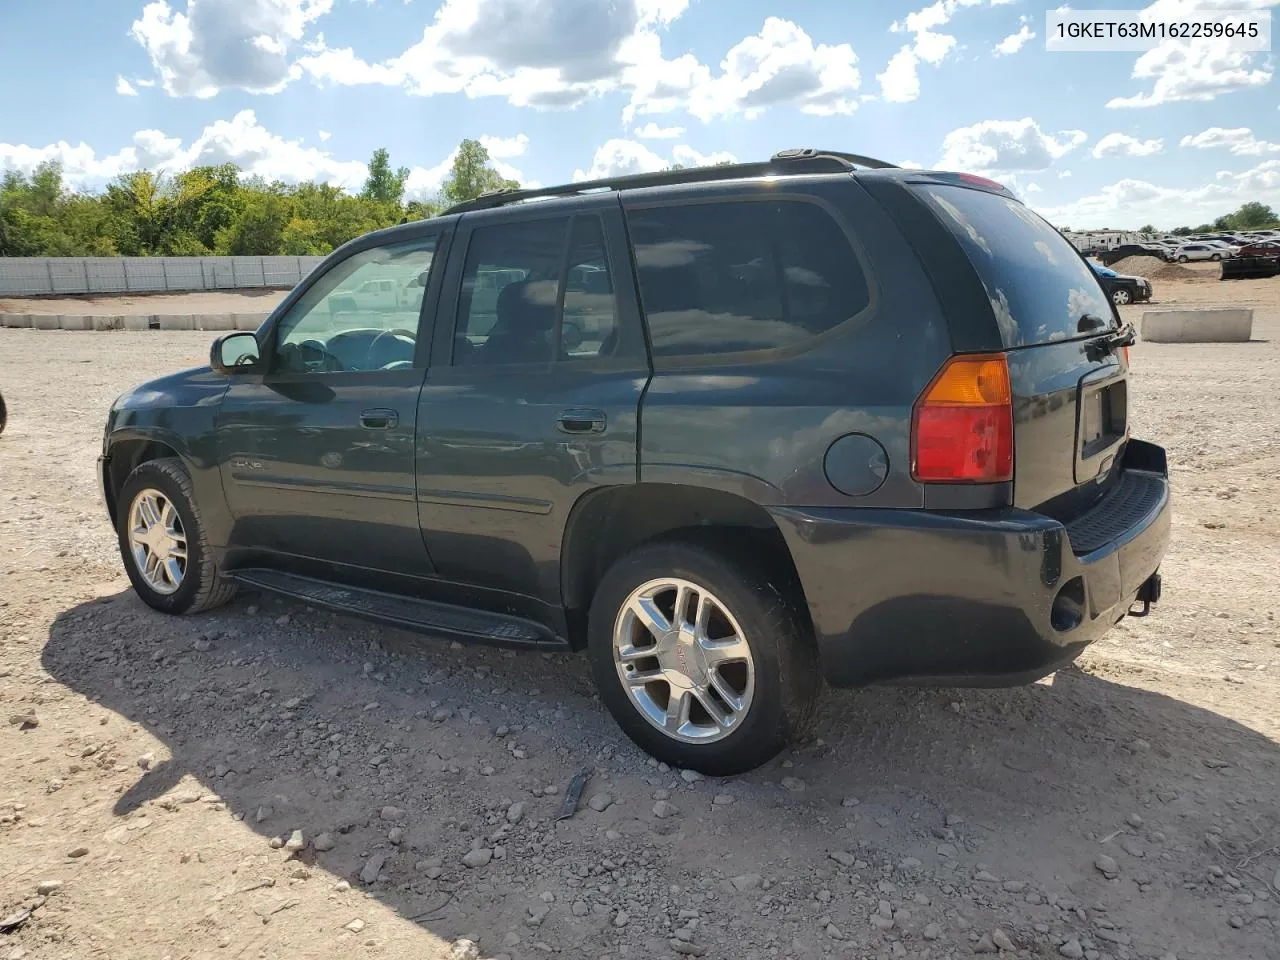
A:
1182	231
1253	216
471	175
1149	228
384	184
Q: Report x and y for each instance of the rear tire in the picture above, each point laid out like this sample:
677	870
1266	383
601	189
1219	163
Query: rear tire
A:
163	543
744	675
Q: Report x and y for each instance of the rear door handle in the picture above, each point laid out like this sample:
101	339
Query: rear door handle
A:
379	419
581	421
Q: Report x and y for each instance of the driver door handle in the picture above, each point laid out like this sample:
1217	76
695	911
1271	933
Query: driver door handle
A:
581	421
379	419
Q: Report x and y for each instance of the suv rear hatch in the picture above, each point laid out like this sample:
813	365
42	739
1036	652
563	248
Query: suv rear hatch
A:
1067	375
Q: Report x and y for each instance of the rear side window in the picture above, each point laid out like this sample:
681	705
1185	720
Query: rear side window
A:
734	277
1038	285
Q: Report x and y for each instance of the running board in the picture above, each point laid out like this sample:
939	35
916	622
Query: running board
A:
410	613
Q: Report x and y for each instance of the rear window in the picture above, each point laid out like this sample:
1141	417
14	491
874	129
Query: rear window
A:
741	276
1038	284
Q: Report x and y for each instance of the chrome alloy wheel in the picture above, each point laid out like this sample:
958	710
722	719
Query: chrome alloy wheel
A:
157	541
684	661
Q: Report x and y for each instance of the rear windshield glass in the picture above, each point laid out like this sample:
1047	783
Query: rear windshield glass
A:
1039	286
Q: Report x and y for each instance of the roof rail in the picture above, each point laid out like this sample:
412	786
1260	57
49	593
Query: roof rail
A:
784	163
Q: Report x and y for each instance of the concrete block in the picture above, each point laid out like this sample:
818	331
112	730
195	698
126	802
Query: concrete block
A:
1234	325
215	321
46	321
108	323
15	319
75	322
249	321
137	321
176	321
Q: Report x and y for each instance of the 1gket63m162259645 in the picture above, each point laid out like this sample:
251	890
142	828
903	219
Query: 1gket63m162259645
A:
731	432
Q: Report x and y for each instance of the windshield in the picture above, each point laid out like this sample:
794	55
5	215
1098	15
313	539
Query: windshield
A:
1039	286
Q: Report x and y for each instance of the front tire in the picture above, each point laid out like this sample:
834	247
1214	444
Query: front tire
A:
1216	257
706	663
163	543
1121	297
1182	258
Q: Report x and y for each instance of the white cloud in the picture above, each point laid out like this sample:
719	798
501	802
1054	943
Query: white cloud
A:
651	131
242	140
504	148
1034	187
556	54
900	81
1015	41
618	157
539	53
781	64
1129	203
324	135
125	88
224	44
1123	145
1006	146
1239	140
1195	70
911	165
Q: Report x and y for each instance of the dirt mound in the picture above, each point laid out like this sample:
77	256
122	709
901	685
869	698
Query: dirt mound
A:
1143	266
1176	271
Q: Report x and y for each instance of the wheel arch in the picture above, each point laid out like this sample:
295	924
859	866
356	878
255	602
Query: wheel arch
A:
126	451
609	523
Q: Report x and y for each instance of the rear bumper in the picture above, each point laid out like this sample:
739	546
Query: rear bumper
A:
977	598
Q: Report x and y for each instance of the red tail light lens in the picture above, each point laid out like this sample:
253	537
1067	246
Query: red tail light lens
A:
962	425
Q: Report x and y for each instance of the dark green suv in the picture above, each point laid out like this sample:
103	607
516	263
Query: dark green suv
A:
731	431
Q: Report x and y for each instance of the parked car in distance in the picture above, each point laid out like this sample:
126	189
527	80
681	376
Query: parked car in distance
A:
1125	250
1198	251
795	439
1120	289
1260	248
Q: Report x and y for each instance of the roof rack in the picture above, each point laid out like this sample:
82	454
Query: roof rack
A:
783	163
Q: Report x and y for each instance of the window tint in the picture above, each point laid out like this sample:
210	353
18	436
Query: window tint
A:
589	325
1037	283
510	293
728	277
361	315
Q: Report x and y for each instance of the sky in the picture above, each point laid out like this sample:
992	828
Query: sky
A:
559	90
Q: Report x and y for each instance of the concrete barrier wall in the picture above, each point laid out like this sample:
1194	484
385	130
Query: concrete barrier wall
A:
221	322
37	276
1197	326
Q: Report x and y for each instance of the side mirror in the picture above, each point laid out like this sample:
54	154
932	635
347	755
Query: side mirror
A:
236	353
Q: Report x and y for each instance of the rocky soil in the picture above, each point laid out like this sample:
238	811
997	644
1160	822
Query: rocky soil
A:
270	781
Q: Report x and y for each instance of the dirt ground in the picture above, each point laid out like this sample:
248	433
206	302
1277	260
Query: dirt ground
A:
119	305
154	770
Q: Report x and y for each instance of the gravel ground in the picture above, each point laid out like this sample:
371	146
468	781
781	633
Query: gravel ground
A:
209	301
270	781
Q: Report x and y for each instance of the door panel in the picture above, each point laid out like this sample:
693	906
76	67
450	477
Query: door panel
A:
317	455
526	409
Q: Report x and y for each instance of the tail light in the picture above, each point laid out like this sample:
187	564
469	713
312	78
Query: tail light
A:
1125	351
962	425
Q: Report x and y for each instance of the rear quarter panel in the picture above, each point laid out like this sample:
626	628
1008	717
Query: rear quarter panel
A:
760	426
